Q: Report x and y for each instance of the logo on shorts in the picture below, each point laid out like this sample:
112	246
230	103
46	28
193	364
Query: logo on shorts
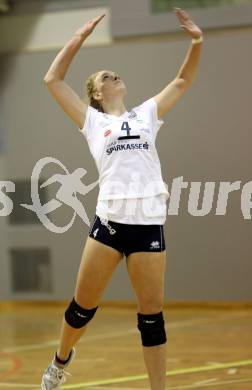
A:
105	222
95	232
155	245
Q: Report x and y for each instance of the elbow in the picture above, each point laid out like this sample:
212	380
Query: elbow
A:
183	84
48	79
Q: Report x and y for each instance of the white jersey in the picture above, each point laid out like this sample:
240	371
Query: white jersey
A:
135	211
124	151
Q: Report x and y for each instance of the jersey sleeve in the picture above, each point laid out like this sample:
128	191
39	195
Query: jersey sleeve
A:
149	108
89	123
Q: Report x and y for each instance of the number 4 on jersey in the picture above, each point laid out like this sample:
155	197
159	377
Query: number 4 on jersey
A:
125	127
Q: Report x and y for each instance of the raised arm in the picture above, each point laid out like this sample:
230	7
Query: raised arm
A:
167	98
54	78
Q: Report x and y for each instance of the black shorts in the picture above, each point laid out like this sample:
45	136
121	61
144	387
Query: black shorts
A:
128	238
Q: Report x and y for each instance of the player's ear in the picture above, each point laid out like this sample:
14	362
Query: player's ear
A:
97	95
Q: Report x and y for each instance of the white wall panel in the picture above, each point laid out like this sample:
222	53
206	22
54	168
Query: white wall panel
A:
51	30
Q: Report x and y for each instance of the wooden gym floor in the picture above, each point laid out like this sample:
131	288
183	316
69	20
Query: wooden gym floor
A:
208	347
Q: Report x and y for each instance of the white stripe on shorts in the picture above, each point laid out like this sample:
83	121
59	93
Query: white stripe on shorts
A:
160	235
92	225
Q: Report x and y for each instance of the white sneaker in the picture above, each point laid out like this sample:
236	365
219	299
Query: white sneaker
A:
53	376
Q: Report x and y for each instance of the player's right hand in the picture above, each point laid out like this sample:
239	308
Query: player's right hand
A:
88	28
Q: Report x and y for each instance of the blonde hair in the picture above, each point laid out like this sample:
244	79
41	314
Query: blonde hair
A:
90	88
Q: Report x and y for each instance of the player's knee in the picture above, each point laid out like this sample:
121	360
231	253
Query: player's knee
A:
76	316
152	329
151	305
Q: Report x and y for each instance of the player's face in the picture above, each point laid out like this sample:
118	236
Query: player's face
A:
110	84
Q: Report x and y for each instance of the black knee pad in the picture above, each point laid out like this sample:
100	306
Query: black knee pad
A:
76	316
152	329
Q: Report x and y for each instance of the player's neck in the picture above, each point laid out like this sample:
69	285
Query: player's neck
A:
116	108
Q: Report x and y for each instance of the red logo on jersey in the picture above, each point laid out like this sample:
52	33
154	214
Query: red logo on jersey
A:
107	132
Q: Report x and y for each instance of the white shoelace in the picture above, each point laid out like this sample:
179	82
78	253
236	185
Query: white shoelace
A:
58	373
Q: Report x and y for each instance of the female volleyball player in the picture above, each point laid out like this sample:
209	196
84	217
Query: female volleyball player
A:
131	207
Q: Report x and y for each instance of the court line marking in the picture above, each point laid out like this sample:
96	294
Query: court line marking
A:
210	384
25	385
102	336
15	365
117	388
206	381
232	371
194	386
180	371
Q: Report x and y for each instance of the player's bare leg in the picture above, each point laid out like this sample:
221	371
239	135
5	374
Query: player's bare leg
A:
146	271
97	266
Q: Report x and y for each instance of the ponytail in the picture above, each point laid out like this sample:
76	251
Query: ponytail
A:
90	88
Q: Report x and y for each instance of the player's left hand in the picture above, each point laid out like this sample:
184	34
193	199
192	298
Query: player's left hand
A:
187	24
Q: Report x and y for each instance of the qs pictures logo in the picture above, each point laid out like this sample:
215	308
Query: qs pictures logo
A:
71	184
